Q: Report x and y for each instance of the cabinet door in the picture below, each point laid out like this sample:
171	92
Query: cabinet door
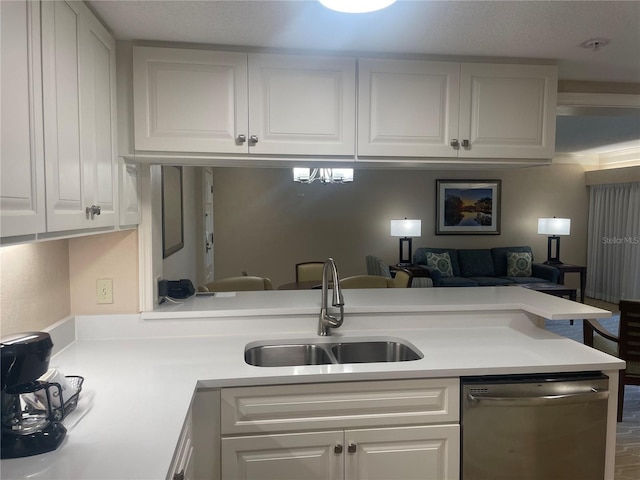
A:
97	114
407	108
421	452
508	111
301	105
78	61
22	201
294	456
189	100
61	88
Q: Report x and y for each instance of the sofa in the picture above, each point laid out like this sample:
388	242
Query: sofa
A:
450	267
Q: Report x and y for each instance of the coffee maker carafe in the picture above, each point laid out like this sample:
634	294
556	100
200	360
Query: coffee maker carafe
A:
28	430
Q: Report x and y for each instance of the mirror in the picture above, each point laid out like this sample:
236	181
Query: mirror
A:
172	215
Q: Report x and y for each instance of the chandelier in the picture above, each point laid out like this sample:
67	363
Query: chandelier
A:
323	175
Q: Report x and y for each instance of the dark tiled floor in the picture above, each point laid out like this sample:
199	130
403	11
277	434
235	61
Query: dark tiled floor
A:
628	431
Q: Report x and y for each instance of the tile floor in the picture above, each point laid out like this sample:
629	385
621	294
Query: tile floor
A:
628	431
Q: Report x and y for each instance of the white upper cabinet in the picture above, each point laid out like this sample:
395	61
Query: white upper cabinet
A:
301	105
22	197
78	61
203	101
407	108
445	109
508	111
189	100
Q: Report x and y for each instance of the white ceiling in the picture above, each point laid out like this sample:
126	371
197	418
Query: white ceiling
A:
550	30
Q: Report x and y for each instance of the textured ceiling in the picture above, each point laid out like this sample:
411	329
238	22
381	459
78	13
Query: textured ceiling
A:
550	30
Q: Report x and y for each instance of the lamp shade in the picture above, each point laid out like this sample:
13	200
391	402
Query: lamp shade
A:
554	226
406	228
356	6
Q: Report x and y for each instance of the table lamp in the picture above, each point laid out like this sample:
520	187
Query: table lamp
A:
554	227
405	229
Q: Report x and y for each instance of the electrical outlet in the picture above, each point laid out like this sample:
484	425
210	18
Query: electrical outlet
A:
104	290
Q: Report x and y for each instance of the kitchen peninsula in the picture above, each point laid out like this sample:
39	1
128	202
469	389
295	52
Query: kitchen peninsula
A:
145	374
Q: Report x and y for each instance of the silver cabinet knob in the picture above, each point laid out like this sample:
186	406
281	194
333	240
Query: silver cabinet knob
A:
465	143
93	210
455	143
352	448
253	139
337	449
241	139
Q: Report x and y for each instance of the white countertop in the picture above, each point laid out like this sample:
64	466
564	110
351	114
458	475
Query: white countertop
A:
141	371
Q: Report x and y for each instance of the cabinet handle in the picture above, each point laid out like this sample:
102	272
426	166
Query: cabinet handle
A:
455	143
465	143
241	139
93	210
352	448
337	449
253	139
178	476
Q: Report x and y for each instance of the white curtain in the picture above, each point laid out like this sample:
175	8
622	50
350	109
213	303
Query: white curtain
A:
613	251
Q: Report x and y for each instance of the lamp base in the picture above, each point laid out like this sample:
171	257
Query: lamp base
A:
553	262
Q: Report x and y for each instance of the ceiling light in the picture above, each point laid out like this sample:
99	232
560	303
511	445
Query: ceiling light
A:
356	6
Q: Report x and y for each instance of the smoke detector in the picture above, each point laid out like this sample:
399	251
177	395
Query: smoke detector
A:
595	44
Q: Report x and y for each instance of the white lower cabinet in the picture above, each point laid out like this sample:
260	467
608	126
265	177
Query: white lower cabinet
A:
418	452
182	465
397	429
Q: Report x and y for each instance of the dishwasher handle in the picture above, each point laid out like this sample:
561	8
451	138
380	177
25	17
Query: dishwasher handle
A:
593	395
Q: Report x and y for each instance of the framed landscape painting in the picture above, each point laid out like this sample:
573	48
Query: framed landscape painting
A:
468	207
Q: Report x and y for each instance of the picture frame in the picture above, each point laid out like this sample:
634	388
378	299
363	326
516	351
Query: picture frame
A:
172	215
468	207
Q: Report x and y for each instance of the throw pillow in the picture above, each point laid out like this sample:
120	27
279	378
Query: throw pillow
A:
441	262
519	264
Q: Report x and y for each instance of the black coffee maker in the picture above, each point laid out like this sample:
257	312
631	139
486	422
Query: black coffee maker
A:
28	430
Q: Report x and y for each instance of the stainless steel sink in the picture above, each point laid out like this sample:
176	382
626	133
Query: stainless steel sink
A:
282	354
286	355
369	352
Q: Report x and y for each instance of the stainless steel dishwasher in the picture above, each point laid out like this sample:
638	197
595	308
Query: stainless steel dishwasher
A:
533	427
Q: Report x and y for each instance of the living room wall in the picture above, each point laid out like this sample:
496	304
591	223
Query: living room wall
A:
265	223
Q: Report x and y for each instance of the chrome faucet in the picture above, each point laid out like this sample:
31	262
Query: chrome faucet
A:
326	320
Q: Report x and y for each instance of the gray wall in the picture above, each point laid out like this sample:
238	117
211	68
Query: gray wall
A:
265	223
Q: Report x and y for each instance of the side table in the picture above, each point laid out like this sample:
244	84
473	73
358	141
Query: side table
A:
415	270
568	268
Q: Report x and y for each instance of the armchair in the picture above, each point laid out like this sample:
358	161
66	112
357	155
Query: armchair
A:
625	345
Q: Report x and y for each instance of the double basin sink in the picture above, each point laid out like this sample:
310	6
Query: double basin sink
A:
327	352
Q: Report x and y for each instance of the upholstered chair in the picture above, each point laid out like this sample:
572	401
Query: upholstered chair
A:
239	284
367	281
376	266
309	271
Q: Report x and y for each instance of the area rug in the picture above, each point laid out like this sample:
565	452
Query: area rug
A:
628	431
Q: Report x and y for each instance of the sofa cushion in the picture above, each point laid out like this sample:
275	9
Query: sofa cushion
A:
476	263
491	281
499	255
526	279
518	264
420	257
441	262
457	282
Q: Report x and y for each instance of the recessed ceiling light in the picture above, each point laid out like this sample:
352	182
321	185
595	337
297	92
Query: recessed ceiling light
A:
356	6
595	44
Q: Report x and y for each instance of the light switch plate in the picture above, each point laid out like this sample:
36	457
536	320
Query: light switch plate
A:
104	290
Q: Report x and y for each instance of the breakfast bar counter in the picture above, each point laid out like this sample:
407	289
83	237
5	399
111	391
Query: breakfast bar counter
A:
142	371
